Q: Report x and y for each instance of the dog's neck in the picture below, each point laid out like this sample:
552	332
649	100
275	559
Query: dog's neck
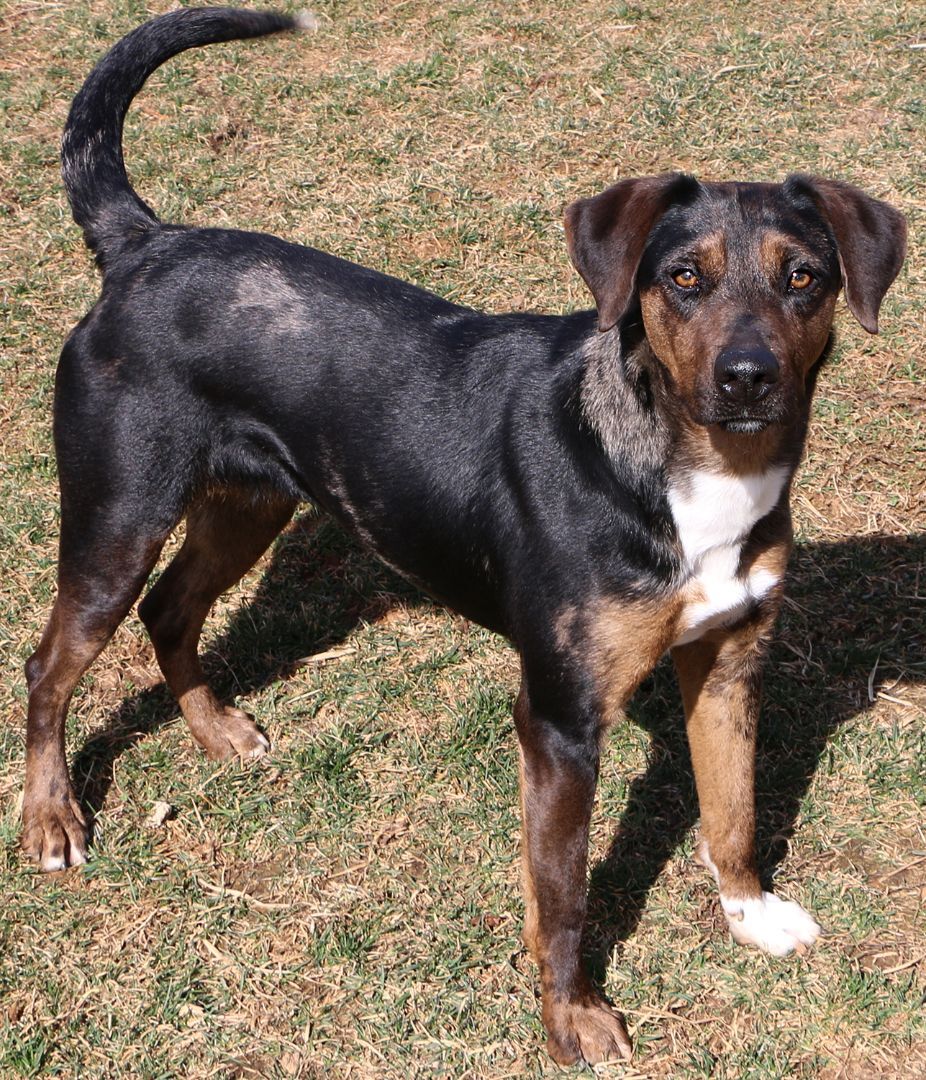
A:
622	400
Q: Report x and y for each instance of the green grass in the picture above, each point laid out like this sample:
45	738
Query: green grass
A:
352	907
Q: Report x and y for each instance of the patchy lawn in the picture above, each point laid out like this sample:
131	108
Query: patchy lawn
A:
352	907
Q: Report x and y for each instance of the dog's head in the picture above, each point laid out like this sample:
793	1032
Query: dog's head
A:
736	283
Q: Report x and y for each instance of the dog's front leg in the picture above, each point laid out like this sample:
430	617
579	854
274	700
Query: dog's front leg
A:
720	678
559	771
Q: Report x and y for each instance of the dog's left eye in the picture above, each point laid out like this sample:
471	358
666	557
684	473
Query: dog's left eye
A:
686	278
800	279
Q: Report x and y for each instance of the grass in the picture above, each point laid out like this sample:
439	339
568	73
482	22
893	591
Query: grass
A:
352	909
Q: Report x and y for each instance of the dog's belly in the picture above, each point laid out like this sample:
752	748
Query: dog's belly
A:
420	542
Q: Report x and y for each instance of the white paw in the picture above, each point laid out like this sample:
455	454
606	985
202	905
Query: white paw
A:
773	925
50	863
260	749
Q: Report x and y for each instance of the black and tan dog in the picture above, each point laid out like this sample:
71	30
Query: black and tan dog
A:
600	487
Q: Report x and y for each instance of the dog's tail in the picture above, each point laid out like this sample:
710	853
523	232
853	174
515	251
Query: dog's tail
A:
102	200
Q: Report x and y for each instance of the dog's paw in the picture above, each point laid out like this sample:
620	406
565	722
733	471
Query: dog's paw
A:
776	926
54	832
589	1030
233	733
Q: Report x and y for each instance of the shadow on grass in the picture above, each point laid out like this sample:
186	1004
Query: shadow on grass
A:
851	605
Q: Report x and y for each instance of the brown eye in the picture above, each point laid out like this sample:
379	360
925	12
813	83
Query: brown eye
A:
686	279
800	279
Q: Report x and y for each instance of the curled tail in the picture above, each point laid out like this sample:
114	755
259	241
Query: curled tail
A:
102	199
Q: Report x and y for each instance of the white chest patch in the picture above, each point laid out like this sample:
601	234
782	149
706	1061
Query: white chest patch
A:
714	514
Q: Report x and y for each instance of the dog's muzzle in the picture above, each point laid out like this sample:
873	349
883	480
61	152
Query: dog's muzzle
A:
744	379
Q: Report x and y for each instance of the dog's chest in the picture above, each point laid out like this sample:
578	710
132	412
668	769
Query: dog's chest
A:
714	515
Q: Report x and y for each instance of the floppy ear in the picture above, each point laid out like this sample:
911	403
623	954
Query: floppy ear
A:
871	240
606	236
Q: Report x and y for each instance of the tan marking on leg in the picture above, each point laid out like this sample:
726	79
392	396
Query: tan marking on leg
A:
227	532
625	639
720	677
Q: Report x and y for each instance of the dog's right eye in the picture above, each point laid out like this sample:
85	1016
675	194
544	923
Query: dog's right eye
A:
686	278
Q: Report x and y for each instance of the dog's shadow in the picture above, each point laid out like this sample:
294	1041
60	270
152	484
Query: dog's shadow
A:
318	587
852	606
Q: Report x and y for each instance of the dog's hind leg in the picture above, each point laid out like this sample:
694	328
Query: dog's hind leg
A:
101	572
227	532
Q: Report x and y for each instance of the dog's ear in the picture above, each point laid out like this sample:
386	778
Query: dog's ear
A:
606	236
871	240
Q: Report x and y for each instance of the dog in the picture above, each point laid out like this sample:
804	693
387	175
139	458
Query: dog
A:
601	487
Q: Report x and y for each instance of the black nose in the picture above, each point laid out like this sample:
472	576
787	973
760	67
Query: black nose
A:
745	376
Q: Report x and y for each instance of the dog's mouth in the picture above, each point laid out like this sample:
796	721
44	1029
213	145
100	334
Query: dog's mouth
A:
751	419
745	425
739	425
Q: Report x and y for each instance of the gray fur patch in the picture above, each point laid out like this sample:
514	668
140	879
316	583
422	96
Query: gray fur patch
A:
629	431
266	288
